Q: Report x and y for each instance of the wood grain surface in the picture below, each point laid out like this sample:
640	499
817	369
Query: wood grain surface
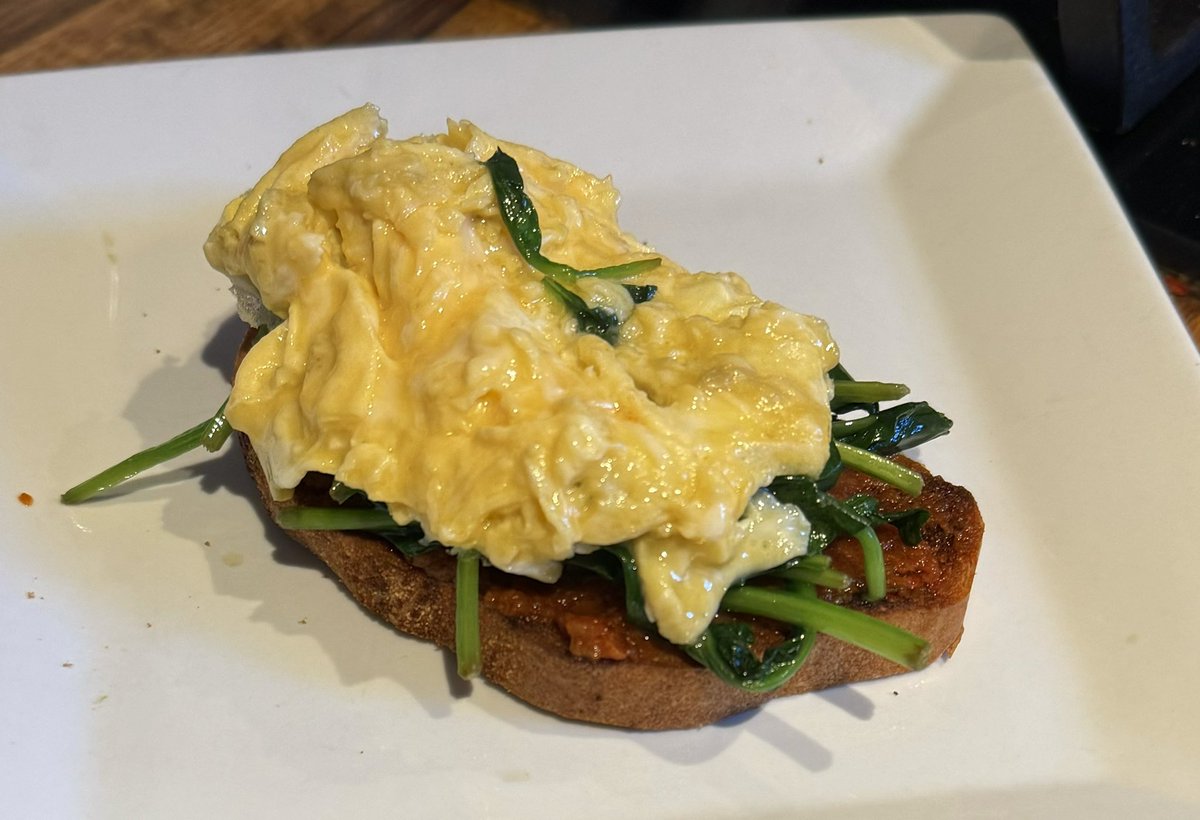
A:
38	35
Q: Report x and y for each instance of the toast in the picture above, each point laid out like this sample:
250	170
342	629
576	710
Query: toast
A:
555	646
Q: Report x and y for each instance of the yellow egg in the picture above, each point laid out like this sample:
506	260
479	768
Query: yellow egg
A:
421	360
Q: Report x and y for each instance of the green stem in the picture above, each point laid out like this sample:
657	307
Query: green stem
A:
873	570
218	432
521	219
597	321
849	625
895	474
846	427
341	493
466	615
211	433
820	576
335	518
853	392
625	269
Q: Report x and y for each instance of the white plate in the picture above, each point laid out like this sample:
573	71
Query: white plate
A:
917	182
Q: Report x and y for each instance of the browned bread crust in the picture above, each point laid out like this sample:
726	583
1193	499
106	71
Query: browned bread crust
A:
526	651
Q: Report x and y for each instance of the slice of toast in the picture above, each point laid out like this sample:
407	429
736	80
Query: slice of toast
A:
555	647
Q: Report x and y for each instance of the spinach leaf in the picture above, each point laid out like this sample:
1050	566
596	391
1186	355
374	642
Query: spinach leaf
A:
601	562
521	219
831	518
341	493
597	321
726	648
635	603
831	470
839	373
828	516
641	293
893	430
409	540
616	563
908	522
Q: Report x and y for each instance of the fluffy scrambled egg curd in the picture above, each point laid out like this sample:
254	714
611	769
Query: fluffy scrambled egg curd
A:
419	358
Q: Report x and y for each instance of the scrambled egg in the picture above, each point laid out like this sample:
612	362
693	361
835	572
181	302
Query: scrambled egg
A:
421	360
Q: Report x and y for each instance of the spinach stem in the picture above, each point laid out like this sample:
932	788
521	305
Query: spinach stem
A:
822	576
849	625
335	518
218	432
466	615
210	433
895	474
873	570
521	219
341	493
623	270
849	391
846	427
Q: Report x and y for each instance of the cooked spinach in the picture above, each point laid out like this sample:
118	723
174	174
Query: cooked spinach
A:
408	539
521	219
210	434
727	649
894	429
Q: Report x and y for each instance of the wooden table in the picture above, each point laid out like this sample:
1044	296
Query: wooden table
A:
50	34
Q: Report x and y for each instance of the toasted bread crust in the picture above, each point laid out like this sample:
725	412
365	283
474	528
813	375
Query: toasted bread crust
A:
928	590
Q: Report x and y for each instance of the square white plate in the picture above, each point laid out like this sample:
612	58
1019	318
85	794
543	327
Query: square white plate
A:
917	182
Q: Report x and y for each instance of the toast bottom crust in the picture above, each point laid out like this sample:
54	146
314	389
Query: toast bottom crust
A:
529	656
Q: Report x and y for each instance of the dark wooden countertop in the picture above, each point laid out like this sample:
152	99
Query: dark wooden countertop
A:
49	34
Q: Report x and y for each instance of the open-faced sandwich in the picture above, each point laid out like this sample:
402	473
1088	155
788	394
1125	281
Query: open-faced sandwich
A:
627	493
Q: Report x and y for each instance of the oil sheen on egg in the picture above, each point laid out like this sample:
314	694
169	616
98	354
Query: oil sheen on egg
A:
421	360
